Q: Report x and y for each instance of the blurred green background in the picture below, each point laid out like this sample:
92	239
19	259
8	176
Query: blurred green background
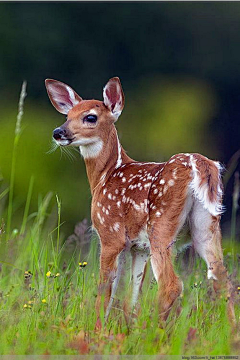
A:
179	64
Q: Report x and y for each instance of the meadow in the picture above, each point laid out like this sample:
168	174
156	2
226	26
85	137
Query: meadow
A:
48	290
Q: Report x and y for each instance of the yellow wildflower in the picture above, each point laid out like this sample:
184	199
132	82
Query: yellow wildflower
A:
26	306
27	274
82	265
44	301
48	274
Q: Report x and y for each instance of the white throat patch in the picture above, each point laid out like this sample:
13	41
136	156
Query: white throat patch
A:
90	149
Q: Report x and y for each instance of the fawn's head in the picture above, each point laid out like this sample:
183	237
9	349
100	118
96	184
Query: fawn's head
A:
88	121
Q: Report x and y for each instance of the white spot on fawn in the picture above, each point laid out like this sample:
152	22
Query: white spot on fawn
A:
136	207
171	182
174	173
116	226
165	189
101	219
162	181
145	205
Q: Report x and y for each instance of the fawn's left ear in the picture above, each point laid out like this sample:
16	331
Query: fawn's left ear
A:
113	97
62	96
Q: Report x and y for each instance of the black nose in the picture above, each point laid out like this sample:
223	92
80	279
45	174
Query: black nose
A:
58	133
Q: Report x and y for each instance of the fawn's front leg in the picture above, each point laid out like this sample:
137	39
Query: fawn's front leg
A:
110	269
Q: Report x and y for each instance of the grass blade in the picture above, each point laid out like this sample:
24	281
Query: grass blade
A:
23	94
26	210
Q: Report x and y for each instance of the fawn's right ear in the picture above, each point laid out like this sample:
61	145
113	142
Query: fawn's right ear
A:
113	97
62	96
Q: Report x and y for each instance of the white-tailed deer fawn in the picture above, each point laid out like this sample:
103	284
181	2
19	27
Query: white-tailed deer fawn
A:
141	205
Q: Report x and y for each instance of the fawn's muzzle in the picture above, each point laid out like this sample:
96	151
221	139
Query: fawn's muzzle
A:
59	133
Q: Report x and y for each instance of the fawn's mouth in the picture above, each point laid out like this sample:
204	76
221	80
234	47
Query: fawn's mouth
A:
63	142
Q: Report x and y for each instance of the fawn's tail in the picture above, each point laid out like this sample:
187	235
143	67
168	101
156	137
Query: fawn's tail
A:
207	184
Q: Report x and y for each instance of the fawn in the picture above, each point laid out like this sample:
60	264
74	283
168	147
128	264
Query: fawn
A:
141	205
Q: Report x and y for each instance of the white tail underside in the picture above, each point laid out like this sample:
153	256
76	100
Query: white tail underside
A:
201	192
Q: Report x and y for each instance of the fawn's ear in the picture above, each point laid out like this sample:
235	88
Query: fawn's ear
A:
62	96
113	97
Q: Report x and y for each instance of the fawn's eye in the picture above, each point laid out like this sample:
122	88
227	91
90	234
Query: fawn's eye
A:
90	119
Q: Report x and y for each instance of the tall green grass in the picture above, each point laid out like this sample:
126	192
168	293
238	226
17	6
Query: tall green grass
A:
47	300
18	130
47	305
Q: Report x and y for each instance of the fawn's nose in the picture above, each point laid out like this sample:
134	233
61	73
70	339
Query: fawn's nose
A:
58	133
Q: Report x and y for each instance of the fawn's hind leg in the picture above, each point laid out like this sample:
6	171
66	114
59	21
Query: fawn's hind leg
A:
139	261
169	285
206	235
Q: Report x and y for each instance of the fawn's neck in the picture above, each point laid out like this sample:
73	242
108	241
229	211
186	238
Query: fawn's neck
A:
110	156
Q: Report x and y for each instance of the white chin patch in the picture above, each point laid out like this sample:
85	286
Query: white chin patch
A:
62	142
89	147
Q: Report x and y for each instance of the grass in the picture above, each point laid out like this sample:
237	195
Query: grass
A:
23	94
47	304
47	300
